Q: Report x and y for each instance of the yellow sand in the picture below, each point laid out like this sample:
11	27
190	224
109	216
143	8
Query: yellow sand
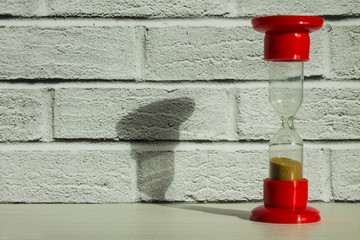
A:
285	169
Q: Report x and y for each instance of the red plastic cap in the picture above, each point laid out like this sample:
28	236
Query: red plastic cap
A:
287	37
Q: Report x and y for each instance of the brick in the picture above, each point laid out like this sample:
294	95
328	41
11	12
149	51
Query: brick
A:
219	175
148	114
256	119
204	53
202	8
316	168
68	52
139	8
345	41
251	8
317	64
212	53
24	115
19	7
67	176
202	175
177	9
327	113
346	174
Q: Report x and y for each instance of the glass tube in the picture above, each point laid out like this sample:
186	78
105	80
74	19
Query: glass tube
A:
286	96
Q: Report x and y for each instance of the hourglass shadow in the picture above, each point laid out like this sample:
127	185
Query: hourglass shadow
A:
154	122
242	214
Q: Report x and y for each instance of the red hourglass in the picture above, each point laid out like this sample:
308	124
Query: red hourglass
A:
286	47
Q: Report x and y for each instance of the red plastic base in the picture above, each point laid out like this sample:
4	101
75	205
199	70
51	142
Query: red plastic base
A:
285	194
285	202
285	215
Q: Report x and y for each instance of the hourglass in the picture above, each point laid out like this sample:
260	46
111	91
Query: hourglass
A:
286	47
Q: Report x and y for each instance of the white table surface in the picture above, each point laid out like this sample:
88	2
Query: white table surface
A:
168	221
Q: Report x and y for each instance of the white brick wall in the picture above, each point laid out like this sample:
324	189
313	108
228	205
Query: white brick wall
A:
71	52
143	113
67	176
127	101
177	8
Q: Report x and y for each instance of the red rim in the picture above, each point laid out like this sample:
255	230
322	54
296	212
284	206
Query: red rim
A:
285	215
291	23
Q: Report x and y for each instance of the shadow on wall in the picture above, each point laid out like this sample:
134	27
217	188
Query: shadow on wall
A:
153	122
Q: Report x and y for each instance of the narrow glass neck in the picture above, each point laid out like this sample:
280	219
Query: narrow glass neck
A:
287	122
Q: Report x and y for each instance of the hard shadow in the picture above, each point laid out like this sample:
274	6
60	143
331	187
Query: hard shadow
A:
146	125
242	214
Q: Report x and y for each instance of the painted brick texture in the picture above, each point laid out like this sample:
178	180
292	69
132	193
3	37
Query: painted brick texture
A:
143	8
19	7
203	176
68	52
143	114
67	176
25	115
345	174
344	46
178	8
213	53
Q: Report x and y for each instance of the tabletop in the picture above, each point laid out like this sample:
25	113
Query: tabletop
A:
168	221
